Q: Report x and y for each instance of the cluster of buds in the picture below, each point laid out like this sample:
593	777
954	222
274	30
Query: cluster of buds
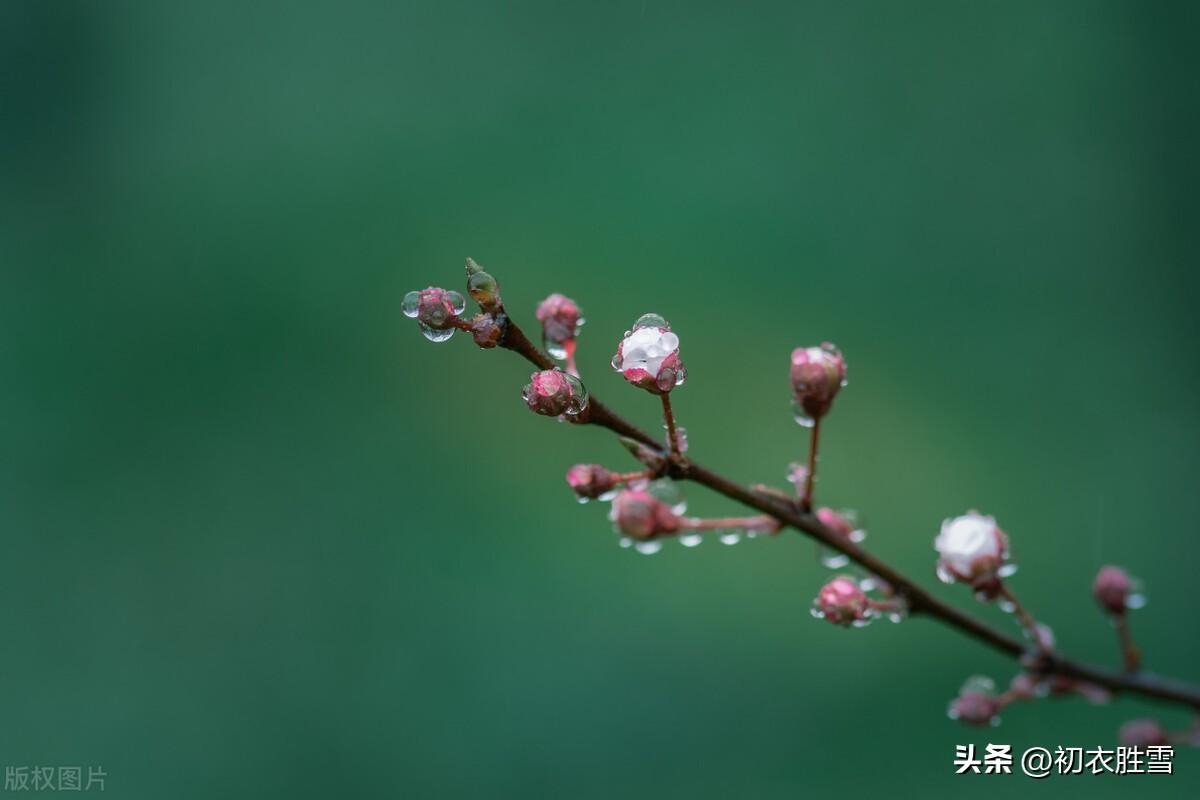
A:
648	356
973	550
438	312
554	393
818	374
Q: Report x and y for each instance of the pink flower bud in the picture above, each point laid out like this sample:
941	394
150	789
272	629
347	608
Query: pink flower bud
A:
818	373
589	481
486	331
648	356
973	550
843	523
640	515
974	707
436	311
1111	589
560	318
554	393
1142	733
842	602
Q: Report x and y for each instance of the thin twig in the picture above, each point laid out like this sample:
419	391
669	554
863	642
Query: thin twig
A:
920	601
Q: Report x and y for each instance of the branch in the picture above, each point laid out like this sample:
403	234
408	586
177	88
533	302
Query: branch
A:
920	601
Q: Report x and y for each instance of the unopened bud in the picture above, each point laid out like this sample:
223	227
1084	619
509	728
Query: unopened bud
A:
436	311
554	393
844	523
818	373
640	515
648	356
842	602
974	708
1142	733
483	288
589	481
1111	589
486	331
561	318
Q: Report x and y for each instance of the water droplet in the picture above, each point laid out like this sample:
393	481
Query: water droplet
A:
833	559
617	361
435	335
944	575
802	416
457	302
816	612
1006	606
411	305
680	376
625	541
1007	571
731	537
1135	601
690	539
895	616
979	683
583	500
649	547
650	321
861	623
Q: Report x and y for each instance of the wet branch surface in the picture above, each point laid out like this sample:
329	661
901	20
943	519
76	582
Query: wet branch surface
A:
920	601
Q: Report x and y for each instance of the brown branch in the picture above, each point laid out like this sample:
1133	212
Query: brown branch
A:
920	601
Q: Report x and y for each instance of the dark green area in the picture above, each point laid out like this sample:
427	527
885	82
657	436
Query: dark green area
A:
260	539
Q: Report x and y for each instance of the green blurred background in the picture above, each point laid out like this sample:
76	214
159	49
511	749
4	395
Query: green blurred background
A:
261	539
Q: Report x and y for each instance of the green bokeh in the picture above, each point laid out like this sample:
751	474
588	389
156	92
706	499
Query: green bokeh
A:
260	539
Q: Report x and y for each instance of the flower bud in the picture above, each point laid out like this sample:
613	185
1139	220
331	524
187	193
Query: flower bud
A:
842	602
554	393
589	481
1111	589
818	373
486	331
974	707
1142	733
973	550
843	523
561	319
436	311
483	288
648	356
640	515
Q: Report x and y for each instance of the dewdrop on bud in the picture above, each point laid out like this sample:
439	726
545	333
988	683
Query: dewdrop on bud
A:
483	288
842	602
648	356
561	319
1111	589
1142	733
641	516
436	311
592	481
554	393
818	373
976	703
972	550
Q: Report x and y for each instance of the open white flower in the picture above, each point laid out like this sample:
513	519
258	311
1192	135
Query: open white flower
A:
649	356
648	348
972	547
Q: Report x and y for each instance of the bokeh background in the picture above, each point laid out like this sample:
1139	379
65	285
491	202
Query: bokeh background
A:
261	539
